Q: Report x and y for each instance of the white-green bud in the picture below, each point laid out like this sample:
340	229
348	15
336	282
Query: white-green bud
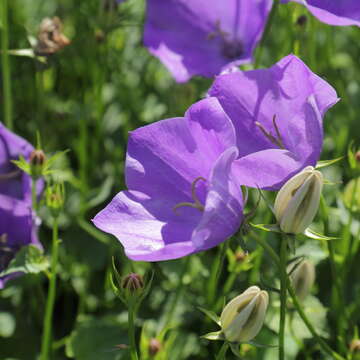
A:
303	278
243	317
297	202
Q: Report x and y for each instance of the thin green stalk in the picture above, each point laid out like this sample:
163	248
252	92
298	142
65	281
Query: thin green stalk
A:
222	353
283	285
5	66
215	272
266	33
47	333
34	195
131	331
325	347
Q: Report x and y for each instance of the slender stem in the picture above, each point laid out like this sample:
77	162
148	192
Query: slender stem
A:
34	194
266	33
283	285
47	333
215	272
297	305
8	120
222	352
131	332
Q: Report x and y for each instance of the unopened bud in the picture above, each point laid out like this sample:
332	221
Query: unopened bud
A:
154	346
37	161
297	202
55	198
303	278
301	20
355	346
243	317
133	283
240	256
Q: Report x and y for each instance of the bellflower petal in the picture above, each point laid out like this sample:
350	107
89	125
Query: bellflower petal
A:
17	229
204	37
183	197
279	108
339	12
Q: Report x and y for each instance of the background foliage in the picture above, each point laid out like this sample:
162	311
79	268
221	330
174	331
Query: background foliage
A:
86	98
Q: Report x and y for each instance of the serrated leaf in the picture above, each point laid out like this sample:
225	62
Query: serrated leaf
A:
216	335
210	314
324	163
267	227
29	260
316	236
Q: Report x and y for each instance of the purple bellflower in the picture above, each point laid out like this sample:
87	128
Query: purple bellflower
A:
277	114
14	182
17	229
182	197
204	37
333	12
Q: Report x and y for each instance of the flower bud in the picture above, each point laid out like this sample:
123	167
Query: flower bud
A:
298	200
37	161
243	317
133	283
303	278
154	346
55	198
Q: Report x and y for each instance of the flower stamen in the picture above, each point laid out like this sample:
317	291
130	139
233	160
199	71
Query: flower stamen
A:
196	204
275	140
10	175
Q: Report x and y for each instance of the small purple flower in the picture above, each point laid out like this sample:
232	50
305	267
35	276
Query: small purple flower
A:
17	229
182	197
333	12
13	181
203	37
277	114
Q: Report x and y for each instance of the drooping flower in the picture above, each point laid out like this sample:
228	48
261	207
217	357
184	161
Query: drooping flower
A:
182	197
277	114
333	12
243	317
13	181
17	229
203	37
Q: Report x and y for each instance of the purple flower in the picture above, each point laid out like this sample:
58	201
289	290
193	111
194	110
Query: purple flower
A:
17	229
182	197
13	181
203	37
277	114
333	12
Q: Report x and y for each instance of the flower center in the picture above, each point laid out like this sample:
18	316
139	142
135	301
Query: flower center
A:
277	139
196	204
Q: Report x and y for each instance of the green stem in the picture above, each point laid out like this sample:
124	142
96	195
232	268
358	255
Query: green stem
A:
34	195
326	348
266	33
8	120
47	333
131	332
283	285
222	352
215	272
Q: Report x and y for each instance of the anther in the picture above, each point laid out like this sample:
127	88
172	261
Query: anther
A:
10	175
275	140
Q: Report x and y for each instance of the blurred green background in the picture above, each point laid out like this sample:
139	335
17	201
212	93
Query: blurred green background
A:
86	98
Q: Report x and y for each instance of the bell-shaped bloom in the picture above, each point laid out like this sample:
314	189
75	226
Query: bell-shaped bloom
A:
204	37
243	317
302	278
17	229
182	197
277	114
13	181
297	202
333	12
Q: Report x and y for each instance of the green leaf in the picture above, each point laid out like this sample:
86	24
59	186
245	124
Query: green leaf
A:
324	163
29	260
210	314
316	236
216	335
267	227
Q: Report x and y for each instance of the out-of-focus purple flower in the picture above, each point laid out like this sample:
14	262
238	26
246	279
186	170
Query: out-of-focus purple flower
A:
13	181
182	197
277	114
333	12
17	229
203	37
